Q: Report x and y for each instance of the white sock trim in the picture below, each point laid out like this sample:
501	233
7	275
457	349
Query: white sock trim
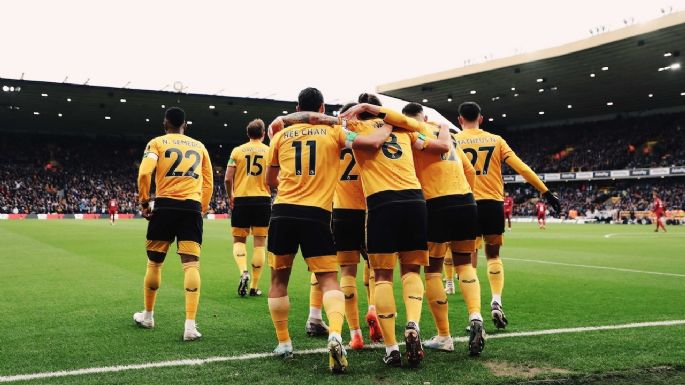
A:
147	315
496	298
315	312
389	349
190	324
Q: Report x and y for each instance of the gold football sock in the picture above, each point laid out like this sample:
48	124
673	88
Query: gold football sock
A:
240	256
496	277
470	287
315	293
372	288
387	311
437	301
279	307
412	290
334	305
257	263
365	279
153	278
191	282
348	285
449	266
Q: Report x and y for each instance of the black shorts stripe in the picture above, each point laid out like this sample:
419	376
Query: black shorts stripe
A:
177	204
393	196
452	218
490	217
248	201
349	229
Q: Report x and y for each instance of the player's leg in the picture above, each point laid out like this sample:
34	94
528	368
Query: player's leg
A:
348	233
189	237
382	247
469	286
258	259
375	333
490	225
413	253
437	300
279	302
240	228
437	223
282	245
448	268
260	229
240	258
319	252
496	279
315	326
159	236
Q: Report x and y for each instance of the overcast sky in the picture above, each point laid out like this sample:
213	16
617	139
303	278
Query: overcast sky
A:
272	49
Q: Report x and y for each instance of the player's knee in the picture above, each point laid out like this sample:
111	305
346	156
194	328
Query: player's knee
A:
434	265
461	258
186	258
156	256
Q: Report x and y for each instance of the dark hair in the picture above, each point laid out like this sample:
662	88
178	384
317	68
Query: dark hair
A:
310	99
175	116
371	99
412	109
255	129
469	111
347	106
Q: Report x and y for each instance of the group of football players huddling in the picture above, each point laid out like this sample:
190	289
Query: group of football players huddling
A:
369	185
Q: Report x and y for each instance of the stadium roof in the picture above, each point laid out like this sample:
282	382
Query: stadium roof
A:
633	69
80	109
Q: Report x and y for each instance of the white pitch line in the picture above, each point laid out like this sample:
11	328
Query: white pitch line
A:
595	267
251	356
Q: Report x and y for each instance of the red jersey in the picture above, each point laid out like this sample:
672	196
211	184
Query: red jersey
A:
508	204
541	208
113	205
658	207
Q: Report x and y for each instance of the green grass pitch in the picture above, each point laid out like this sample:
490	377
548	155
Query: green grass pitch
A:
69	289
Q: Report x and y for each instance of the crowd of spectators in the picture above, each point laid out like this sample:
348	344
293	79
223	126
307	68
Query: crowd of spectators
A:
637	142
590	198
80	174
68	175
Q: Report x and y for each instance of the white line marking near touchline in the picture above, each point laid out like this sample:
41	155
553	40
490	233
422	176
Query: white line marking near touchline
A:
595	267
251	356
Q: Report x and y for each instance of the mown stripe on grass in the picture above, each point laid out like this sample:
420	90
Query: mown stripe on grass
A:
252	356
595	267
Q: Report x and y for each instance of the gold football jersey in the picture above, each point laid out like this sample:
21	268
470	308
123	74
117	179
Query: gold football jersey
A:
182	169
249	161
308	157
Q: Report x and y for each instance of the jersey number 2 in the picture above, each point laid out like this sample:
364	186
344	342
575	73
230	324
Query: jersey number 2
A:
179	156
347	174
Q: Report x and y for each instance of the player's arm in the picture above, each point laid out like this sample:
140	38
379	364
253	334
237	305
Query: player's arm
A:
229	179
469	170
207	181
389	116
440	145
147	166
370	142
530	176
273	167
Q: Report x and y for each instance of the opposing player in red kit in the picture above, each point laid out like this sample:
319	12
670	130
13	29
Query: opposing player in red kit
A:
541	210
113	208
659	211
508	208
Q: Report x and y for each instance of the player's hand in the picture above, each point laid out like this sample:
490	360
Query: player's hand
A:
553	201
275	126
353	112
146	212
230	202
